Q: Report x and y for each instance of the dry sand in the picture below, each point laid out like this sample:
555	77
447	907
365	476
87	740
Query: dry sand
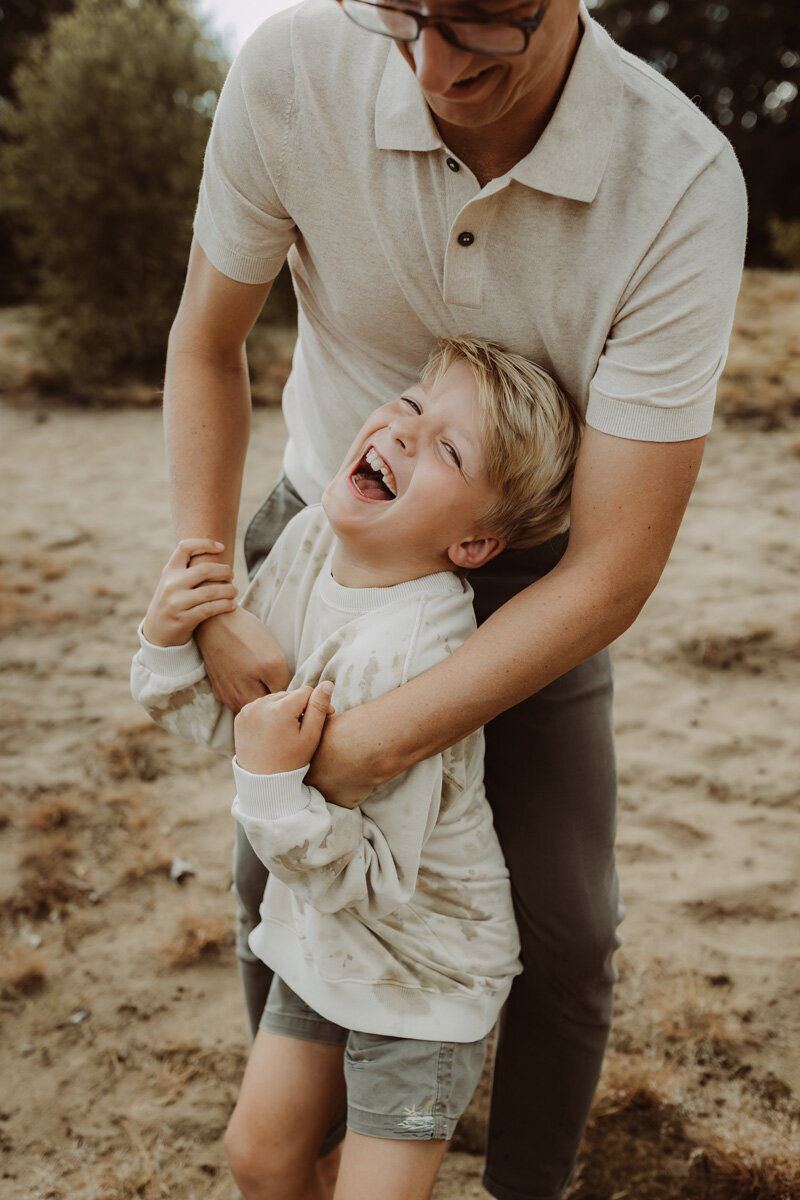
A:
122	1032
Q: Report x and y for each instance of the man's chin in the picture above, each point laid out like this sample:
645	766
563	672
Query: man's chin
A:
462	115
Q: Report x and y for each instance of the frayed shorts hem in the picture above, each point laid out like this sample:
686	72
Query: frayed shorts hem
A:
411	1126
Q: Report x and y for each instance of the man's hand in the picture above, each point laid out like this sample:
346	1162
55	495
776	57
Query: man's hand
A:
188	593
242	658
281	732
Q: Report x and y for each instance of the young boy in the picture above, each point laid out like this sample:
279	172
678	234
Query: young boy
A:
389	926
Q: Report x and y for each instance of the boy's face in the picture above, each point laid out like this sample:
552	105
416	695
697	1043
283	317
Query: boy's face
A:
412	490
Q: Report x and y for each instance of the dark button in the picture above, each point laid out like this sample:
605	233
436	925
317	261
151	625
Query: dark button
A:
466	238
453	165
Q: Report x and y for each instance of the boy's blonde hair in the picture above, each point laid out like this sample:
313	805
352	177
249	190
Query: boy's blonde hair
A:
530	433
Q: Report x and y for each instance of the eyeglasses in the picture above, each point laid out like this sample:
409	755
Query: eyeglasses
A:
479	35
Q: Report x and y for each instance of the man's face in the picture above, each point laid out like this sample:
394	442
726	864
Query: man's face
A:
472	90
414	484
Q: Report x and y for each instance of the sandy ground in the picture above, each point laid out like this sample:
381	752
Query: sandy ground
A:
122	1036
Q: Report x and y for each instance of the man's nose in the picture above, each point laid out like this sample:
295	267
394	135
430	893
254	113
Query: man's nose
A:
437	64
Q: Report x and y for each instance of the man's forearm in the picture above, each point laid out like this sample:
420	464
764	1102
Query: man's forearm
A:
533	639
207	428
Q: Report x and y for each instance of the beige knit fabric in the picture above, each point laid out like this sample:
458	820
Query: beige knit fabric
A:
611	254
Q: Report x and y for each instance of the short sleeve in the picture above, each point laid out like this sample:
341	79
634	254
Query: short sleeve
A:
241	222
657	377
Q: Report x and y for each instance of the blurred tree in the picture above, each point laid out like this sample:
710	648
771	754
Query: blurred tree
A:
740	62
20	20
102	154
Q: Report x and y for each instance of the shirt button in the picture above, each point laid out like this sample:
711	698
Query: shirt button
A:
466	238
453	165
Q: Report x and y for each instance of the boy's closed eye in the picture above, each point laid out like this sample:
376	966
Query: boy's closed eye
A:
449	447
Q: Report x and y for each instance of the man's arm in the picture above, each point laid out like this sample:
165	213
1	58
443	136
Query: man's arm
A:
627	504
207	429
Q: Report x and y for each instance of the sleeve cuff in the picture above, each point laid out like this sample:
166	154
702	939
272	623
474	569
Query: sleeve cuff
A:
649	422
244	268
171	662
269	797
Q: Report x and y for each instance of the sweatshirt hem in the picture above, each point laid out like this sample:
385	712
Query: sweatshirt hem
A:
371	1007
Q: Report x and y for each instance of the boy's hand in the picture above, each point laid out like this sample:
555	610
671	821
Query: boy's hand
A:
281	732
188	593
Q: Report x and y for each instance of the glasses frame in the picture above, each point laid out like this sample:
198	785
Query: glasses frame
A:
528	25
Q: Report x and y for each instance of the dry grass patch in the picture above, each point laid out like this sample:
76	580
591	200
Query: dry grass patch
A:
23	973
199	936
53	811
50	882
647	1139
137	752
142	850
752	651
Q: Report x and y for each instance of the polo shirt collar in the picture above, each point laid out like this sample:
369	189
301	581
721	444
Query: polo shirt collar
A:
403	120
571	155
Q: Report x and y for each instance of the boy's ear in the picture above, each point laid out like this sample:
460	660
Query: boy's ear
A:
475	551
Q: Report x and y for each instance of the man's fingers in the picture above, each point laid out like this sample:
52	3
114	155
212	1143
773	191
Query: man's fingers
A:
187	548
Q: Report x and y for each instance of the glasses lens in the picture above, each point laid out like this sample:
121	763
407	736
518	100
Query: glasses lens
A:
388	21
488	39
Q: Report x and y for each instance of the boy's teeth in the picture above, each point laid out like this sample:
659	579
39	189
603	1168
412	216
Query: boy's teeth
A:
377	464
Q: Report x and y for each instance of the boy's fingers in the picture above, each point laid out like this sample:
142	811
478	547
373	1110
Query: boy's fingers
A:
211	591
187	548
317	710
212	608
296	700
206	572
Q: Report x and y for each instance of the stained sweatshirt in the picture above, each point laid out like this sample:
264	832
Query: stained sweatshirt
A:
394	917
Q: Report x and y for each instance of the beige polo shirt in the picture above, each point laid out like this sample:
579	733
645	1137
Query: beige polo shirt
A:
611	254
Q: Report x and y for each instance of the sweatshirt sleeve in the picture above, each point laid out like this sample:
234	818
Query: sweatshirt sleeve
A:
338	858
171	684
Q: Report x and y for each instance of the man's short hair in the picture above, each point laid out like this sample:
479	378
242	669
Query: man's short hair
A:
530	432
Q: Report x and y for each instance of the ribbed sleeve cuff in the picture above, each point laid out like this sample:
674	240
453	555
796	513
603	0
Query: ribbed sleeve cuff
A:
244	268
648	422
268	797
170	662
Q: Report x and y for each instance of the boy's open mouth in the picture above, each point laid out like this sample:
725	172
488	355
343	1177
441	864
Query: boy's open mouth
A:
372	477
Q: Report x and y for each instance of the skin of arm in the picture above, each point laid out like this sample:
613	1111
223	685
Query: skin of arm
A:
627	504
207	428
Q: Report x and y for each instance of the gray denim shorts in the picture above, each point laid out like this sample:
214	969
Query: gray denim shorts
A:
396	1087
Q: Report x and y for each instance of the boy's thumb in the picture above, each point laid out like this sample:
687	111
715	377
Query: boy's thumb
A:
318	703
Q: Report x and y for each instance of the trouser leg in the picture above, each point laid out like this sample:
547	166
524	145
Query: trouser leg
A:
249	881
551	780
249	873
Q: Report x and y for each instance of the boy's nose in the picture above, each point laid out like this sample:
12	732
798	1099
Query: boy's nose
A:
402	433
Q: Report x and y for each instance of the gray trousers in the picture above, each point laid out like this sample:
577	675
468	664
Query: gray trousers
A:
551	781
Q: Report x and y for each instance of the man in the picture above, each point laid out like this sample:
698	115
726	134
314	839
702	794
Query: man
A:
504	171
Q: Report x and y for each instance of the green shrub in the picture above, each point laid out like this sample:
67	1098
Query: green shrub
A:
785	237
99	173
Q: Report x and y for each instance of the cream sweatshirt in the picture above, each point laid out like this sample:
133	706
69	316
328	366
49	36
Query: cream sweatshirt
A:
395	917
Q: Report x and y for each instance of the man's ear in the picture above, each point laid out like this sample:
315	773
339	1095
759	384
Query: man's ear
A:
475	551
